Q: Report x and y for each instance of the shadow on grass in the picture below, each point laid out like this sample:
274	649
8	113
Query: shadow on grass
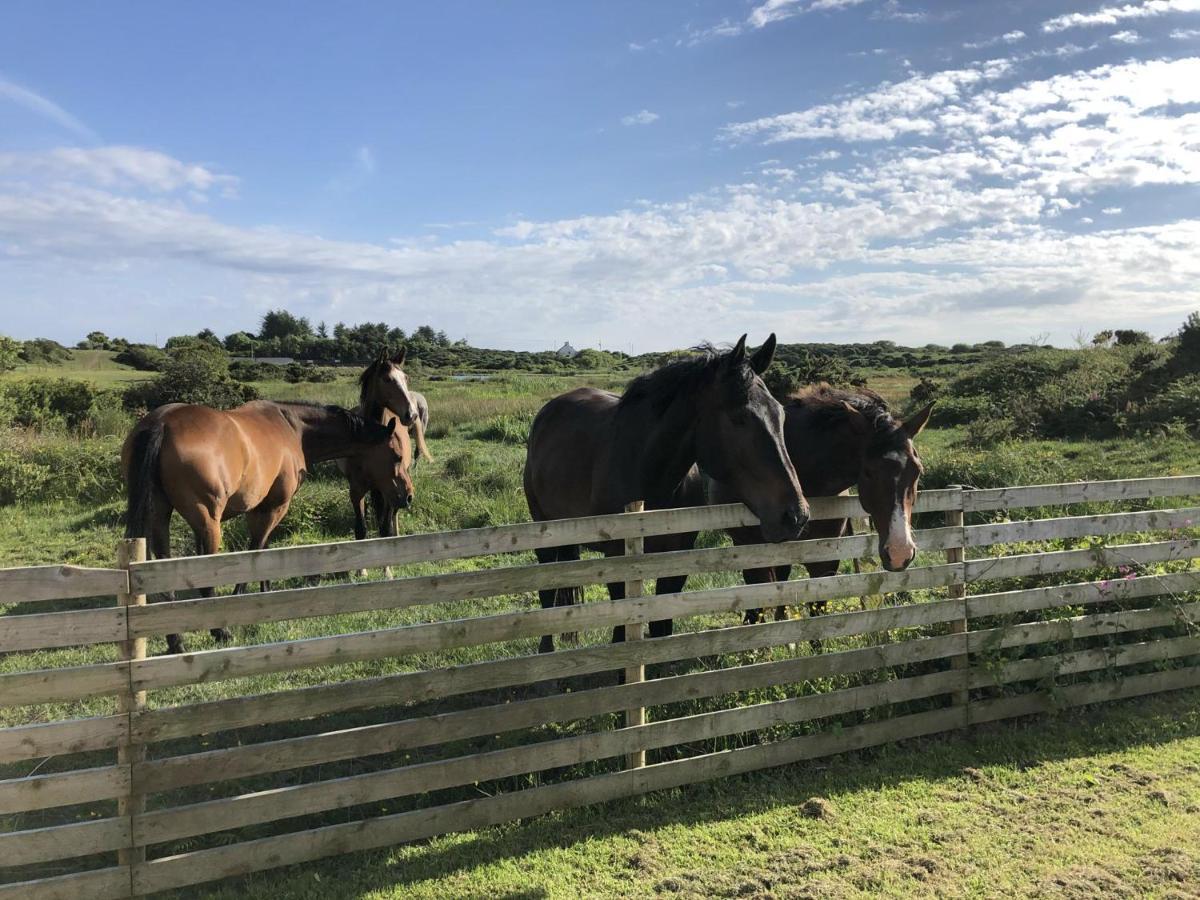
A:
1020	744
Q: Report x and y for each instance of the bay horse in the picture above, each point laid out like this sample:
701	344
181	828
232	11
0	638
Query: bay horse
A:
384	383
384	396
211	465
591	452
838	439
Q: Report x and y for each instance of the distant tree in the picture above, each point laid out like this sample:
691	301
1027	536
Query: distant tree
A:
1102	338
279	323
210	337
322	332
1128	337
239	343
960	348
196	372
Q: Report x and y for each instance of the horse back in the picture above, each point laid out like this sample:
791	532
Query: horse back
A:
567	454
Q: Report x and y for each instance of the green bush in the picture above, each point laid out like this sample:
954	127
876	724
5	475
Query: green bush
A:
47	468
143	357
1178	406
44	352
48	402
245	370
196	372
10	353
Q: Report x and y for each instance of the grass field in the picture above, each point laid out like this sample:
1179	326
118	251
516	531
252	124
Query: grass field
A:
1080	818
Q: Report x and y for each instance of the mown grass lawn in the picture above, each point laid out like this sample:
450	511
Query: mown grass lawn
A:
1098	802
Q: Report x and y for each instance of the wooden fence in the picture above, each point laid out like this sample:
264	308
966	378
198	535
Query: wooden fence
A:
132	773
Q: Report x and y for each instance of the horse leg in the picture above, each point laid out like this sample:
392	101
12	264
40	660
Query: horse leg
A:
159	545
782	573
261	523
818	607
385	520
765	575
205	522
551	597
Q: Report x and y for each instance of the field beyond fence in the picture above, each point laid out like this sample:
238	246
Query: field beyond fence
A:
129	774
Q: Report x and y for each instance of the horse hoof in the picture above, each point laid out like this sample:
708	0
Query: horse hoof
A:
570	637
362	573
387	571
222	635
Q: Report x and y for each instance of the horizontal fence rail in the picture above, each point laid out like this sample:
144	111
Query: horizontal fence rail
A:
137	772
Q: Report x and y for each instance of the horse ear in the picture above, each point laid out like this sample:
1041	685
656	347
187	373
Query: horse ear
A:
763	355
398	359
381	356
914	424
855	417
738	354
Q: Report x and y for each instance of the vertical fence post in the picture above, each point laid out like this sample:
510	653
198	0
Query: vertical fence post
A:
636	673
958	591
129	751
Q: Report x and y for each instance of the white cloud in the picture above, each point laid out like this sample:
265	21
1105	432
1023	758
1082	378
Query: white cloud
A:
116	166
1126	37
1009	37
1111	210
1185	34
643	117
47	109
1111	15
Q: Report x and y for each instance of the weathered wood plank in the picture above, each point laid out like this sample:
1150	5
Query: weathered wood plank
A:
1081	526
97	884
216	665
39	845
1083	694
70	683
1083	626
290	753
63	789
1085	661
297	800
59	738
61	629
32	583
412	687
1081	594
205	865
1080	492
189	615
229	568
1066	560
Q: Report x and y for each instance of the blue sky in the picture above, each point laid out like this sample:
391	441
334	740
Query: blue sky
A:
632	175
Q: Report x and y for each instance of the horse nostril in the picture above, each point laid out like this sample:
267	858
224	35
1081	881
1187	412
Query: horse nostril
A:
793	519
408	500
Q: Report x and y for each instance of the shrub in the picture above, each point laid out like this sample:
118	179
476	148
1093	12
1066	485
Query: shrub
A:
245	370
195	373
39	469
10	353
1177	406
143	357
48	402
296	373
44	352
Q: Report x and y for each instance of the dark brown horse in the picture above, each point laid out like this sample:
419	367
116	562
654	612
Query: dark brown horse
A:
591	452
839	439
212	465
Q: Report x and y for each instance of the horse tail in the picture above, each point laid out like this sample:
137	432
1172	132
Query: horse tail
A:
419	430
144	479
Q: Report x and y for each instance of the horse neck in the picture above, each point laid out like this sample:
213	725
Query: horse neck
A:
652	453
323	434
827	461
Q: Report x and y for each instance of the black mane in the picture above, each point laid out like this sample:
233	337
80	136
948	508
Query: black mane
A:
663	385
825	404
356	424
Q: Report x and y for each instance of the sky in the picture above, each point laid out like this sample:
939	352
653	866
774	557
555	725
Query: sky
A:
626	175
